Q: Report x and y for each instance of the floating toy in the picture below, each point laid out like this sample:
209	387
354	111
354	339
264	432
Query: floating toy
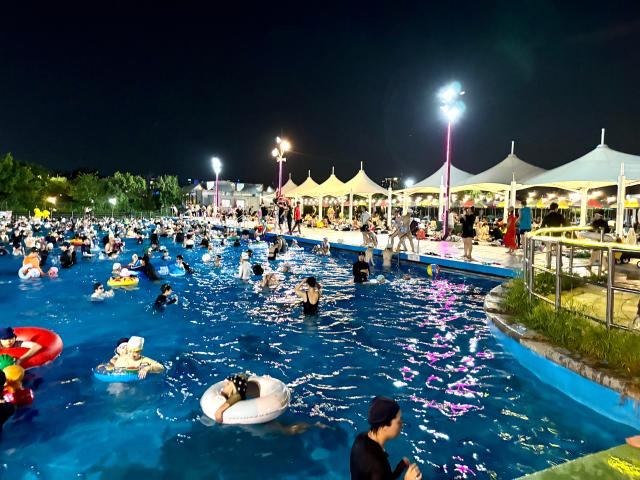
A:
123	282
50	341
76	241
6	360
27	271
41	213
13	391
433	269
107	373
267	399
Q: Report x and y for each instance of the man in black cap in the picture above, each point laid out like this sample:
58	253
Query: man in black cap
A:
360	269
369	461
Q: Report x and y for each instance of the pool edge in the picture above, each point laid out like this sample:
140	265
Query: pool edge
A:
598	390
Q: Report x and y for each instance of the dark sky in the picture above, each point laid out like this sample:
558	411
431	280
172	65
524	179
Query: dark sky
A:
160	89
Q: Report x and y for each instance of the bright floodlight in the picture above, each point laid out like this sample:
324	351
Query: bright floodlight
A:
278	140
409	182
275	152
285	145
217	165
113	201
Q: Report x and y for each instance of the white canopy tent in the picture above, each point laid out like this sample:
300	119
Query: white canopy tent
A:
361	184
331	187
303	189
289	186
509	175
435	184
601	167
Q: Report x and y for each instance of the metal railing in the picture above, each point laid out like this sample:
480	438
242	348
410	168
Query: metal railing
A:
610	257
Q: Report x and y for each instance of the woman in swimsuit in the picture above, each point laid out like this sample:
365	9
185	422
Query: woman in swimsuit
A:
310	297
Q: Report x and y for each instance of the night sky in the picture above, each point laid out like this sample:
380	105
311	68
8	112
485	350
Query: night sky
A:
160	89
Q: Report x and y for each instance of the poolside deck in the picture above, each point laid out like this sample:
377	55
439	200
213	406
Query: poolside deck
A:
488	260
622	462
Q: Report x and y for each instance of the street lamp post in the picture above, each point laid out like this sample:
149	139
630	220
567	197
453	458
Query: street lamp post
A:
113	201
217	168
282	146
452	107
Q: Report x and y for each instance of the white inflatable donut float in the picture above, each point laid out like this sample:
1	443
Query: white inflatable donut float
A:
27	271
267	399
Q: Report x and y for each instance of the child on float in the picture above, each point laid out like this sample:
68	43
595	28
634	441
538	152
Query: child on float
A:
234	390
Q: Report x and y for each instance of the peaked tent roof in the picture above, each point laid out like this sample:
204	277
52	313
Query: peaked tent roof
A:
301	190
361	184
287	187
331	187
431	184
598	168
499	177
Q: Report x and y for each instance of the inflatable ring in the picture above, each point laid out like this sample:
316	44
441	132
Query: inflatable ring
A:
106	373
50	341
267	399
27	271
76	241
175	271
123	282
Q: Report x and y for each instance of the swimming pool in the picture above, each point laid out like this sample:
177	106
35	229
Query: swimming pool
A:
469	408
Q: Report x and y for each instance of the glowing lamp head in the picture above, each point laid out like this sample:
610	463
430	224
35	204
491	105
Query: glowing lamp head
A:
275	152
453	112
216	164
113	201
285	146
409	182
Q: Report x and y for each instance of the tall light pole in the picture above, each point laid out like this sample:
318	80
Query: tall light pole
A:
452	107
282	146
217	168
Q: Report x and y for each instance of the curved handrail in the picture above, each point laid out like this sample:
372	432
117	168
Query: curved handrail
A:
541	234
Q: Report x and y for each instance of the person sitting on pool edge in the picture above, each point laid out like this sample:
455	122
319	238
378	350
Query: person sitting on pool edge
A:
166	297
99	293
8	339
368	458
234	390
361	269
134	359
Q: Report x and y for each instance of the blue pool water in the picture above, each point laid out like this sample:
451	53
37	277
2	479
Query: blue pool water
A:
469	408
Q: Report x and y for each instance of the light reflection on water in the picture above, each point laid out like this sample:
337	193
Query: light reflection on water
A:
469	409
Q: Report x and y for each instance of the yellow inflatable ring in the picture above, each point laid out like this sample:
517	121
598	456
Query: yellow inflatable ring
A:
123	282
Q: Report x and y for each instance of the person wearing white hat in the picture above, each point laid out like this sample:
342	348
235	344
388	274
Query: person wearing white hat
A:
244	270
134	359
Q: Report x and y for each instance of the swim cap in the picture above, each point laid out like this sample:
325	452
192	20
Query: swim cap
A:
382	411
116	266
135	343
380	278
7	333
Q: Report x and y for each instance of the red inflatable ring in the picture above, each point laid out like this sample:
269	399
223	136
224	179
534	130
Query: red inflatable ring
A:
50	341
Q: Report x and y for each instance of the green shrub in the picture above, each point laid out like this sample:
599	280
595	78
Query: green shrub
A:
619	349
545	283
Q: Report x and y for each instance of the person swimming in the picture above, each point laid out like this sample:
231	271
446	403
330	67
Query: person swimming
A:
8	339
166	297
134	359
99	293
244	270
234	391
120	350
310	297
181	264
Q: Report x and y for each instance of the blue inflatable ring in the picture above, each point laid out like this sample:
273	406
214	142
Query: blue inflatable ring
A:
106	373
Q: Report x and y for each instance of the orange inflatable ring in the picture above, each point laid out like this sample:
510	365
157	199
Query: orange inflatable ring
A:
50	341
76	241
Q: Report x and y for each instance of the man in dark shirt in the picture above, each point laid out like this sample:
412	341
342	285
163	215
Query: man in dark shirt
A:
66	258
360	269
369	461
165	298
599	223
553	218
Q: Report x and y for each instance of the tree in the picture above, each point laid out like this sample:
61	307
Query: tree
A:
167	191
87	189
130	191
21	185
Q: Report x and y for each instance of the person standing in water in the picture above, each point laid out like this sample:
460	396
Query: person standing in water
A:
369	460
310	297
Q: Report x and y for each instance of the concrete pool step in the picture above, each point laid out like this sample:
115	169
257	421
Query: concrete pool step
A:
621	462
